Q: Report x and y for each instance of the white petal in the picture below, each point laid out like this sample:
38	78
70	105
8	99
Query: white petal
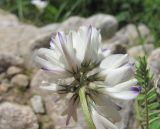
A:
101	122
119	75
80	42
51	56
46	65
123	86
87	44
93	46
114	61
124	95
48	86
127	90
97	121
106	108
106	52
68	53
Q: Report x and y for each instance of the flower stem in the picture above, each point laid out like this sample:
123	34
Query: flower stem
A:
86	112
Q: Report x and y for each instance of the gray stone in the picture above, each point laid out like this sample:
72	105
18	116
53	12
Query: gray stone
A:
13	70
6	83
20	80
3	88
129	35
157	84
17	40
107	24
154	61
116	48
2	76
14	116
144	30
140	50
7	59
50	27
71	23
37	104
7	19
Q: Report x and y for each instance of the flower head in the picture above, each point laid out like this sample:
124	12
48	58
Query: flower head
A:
79	60
40	4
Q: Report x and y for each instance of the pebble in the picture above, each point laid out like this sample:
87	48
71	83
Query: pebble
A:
20	80
37	104
15	116
13	70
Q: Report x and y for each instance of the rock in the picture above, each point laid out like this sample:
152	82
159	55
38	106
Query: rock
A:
144	30
116	48
154	61
7	59
72	23
20	80
129	35
14	116
157	84
37	104
140	50
3	88
13	70
106	23
7	19
18	40
2	76
1	99
50	27
6	83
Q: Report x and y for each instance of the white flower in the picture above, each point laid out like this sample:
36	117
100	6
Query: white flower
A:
79	58
40	4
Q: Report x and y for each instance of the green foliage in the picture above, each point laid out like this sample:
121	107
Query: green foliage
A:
148	106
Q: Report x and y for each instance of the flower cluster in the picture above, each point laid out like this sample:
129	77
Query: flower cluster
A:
79	59
40	4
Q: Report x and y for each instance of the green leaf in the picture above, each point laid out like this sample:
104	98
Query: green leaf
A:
152	97
153	106
154	113
155	124
154	119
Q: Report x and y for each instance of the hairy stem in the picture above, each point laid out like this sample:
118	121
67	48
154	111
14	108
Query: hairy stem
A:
85	108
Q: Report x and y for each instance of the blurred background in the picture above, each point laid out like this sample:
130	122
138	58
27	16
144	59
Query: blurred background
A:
127	26
125	11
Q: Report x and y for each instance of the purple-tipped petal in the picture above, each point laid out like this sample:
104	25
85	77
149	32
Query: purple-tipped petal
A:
45	69
60	38
52	43
136	88
105	49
